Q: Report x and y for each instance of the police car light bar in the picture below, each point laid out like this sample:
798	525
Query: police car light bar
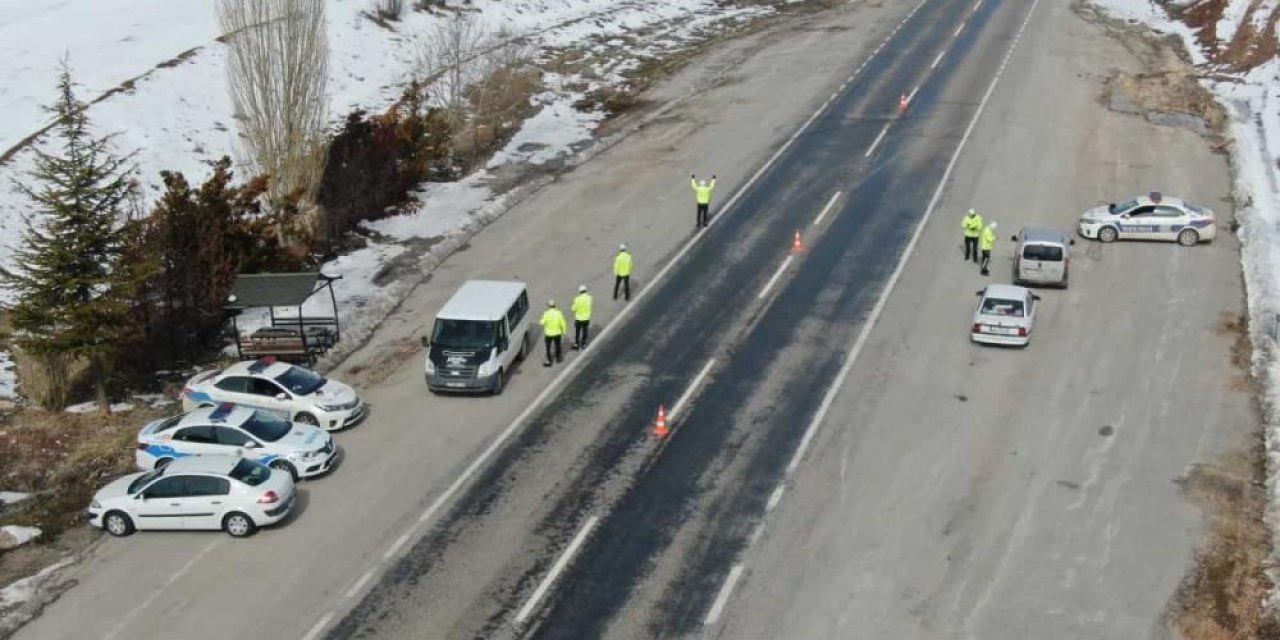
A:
262	363
220	414
1155	196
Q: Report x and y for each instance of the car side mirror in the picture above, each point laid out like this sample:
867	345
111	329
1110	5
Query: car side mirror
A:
1071	241
1124	216
426	342
282	396
251	445
977	293
139	496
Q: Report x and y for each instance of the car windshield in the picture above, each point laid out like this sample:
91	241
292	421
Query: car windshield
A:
1122	207
266	426
169	423
1002	307
300	381
1195	208
143	480
464	334
250	473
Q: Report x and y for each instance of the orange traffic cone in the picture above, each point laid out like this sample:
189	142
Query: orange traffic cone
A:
797	245
902	102
660	426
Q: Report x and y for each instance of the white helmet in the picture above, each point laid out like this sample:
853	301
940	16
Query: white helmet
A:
582	288
551	303
992	225
973	212
622	247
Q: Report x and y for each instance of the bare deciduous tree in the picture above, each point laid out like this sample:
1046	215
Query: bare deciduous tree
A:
277	68
389	9
449	60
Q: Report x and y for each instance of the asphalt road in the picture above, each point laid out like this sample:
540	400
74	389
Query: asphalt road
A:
720	115
949	490
633	537
966	492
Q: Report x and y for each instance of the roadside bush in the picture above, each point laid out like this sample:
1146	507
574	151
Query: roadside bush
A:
375	161
46	378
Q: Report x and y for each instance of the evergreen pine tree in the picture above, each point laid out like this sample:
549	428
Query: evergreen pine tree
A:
72	299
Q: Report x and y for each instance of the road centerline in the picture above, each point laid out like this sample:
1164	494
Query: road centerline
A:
830	203
722	598
875	143
693	386
774	279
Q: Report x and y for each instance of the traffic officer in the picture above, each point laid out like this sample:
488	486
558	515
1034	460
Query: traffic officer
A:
987	242
622	271
972	225
702	193
581	309
553	327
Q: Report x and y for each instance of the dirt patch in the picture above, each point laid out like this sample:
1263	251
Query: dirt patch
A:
61	459
1252	42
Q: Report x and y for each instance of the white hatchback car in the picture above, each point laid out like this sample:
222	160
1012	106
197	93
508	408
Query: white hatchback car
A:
1151	217
233	494
293	393
1006	314
300	450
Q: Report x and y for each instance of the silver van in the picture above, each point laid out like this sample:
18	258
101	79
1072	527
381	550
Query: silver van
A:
1042	257
481	331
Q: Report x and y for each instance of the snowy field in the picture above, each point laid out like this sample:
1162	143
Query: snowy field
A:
177	113
1252	101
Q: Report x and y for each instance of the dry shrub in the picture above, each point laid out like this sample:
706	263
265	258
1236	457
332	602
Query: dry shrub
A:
389	10
63	458
46	378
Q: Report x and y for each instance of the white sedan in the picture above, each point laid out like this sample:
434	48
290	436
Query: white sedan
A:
1006	314
1151	217
300	450
293	393
233	494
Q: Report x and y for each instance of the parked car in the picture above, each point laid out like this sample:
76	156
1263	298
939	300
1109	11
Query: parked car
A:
292	392
297	449
1154	216
236	495
1006	314
1042	256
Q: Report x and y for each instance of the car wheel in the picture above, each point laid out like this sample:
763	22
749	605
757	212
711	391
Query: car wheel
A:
1188	238
498	383
238	525
281	465
306	418
1108	234
524	348
163	462
117	524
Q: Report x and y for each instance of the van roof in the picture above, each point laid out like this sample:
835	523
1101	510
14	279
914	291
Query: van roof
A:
484	300
1041	234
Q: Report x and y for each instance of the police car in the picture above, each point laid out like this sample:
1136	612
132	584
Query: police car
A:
1151	217
293	393
301	450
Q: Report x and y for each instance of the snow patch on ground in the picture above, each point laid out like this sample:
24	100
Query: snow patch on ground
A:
8	377
12	497
92	407
23	599
16	535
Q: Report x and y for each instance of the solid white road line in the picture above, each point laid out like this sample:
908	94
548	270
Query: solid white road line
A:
776	274
722	598
876	142
774	498
911	96
830	203
937	60
128	617
318	626
355	589
556	570
396	546
688	393
906	255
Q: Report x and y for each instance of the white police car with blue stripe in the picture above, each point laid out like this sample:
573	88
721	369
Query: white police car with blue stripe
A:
300	450
292	392
1154	216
